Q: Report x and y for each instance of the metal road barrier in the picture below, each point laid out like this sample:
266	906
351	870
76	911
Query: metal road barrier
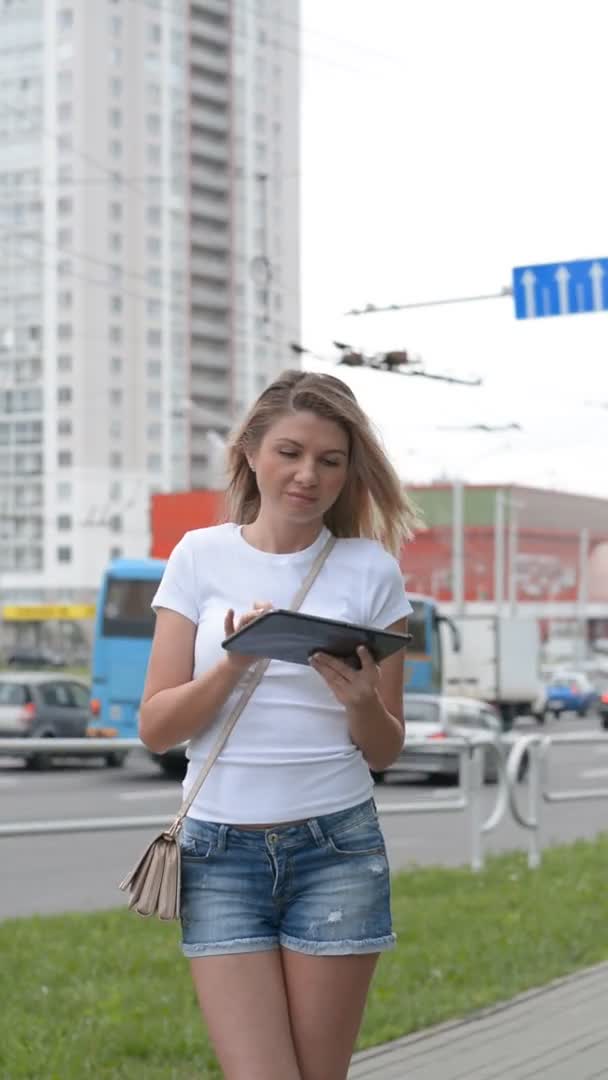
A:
537	748
471	754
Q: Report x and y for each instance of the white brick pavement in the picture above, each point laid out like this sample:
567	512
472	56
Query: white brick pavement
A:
559	1032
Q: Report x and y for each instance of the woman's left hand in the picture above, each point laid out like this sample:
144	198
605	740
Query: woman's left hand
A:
353	689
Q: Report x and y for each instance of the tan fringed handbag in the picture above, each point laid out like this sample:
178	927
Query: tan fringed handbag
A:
154	882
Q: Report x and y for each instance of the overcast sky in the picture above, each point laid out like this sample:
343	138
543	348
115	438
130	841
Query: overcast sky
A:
444	144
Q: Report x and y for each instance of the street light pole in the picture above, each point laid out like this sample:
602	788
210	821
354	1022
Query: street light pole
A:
499	552
512	540
583	590
458	547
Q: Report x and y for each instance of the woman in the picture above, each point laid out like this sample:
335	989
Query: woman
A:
285	903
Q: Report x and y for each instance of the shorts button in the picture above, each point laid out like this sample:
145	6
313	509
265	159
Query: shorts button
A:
272	838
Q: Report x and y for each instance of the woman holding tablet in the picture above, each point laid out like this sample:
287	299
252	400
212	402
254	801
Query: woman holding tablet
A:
285	902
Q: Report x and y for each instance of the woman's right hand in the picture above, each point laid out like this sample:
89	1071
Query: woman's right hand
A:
233	623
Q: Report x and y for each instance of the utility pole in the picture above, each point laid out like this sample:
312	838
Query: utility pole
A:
458	547
583	591
499	552
512	541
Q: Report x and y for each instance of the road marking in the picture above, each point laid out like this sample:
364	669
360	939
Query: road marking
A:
137	796
594	774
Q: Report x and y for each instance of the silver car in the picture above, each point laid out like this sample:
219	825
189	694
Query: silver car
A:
433	718
42	704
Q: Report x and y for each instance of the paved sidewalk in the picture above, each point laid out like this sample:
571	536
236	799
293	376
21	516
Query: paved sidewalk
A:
556	1033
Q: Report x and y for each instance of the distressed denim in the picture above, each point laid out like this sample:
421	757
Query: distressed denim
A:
320	887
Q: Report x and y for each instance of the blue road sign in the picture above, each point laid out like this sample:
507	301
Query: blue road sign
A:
560	288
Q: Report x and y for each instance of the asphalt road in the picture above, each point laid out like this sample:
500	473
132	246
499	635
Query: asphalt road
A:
80	871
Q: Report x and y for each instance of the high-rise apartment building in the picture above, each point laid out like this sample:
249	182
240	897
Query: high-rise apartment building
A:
149	261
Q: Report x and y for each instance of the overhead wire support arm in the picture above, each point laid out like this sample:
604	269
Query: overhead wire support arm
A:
373	309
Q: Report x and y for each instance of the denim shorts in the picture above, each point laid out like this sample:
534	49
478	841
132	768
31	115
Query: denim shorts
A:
320	887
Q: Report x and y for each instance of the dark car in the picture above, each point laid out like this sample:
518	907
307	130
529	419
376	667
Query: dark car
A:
42	705
35	658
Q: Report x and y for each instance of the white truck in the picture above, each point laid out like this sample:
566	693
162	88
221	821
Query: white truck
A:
498	662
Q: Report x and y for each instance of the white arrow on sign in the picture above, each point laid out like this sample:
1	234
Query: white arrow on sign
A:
596	273
562	276
528	280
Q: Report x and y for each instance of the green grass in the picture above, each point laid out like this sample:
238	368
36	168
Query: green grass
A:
109	995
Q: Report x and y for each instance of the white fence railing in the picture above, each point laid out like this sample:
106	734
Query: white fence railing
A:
533	749
537	747
471	753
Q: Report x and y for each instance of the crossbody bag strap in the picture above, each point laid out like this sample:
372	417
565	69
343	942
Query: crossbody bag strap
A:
254	678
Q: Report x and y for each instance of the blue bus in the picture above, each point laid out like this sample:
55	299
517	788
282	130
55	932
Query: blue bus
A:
124	626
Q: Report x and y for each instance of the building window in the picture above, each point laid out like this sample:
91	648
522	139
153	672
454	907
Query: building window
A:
115	148
64	490
64	459
115	211
154	338
115	397
153	155
116	523
153	399
115	25
115	242
153	124
153	368
64	112
64	362
153	215
65	19
64	522
64	395
116	553
64	427
154	462
64	299
115	335
115	459
115	429
116	87
116	365
115	118
115	491
153	245
64	554
115	57
154	431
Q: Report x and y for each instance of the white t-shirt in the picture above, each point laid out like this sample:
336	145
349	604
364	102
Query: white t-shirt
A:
290	755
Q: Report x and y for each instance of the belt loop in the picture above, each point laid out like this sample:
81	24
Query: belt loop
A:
222	834
317	832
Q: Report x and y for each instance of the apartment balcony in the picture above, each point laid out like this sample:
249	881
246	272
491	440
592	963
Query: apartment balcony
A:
204	31
217	62
210	329
202	86
209	208
204	119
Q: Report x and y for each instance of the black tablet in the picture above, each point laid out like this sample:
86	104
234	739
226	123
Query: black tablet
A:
294	637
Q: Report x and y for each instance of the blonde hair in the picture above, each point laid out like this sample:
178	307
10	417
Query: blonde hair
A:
372	502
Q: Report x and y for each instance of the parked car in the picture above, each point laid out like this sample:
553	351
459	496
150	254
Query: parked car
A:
41	704
570	691
433	718
35	658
